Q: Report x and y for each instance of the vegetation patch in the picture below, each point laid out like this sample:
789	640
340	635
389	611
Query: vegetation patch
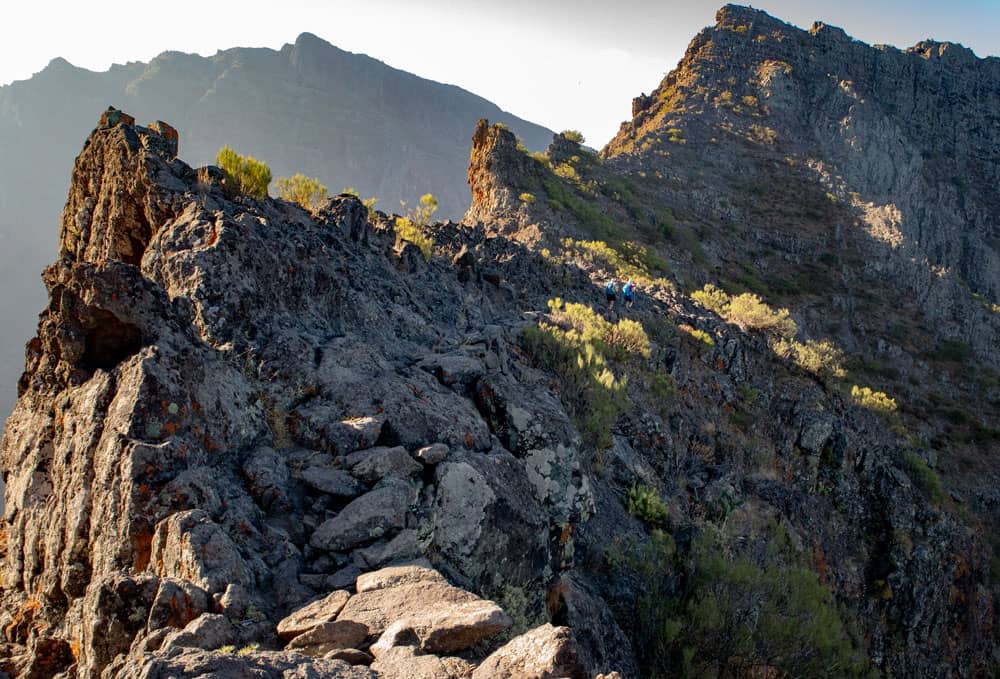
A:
306	191
245	175
925	477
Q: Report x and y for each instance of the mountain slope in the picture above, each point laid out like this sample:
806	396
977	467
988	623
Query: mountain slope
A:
348	119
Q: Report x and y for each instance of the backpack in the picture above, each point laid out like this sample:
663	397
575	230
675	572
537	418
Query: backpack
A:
610	288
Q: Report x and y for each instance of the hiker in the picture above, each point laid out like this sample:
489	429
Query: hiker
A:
611	293
628	292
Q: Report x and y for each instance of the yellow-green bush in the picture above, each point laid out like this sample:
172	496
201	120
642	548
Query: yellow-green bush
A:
306	191
878	401
645	504
746	310
576	345
410	227
247	175
821	358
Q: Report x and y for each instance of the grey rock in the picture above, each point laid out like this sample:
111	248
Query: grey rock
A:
208	631
405	662
322	610
375	464
433	454
373	515
331	481
545	652
328	636
403	547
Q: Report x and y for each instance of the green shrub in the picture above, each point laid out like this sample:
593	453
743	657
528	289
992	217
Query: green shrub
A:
712	298
645	504
952	351
574	345
408	231
878	401
306	191
574	135
247	175
747	310
823	359
925	477
528	198
730	617
410	227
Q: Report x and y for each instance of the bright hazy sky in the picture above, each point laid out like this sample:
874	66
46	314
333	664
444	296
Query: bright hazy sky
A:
567	64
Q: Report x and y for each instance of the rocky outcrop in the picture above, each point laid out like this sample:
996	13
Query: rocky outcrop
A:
236	430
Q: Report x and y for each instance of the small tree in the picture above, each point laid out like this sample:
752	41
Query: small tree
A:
248	176
306	191
574	135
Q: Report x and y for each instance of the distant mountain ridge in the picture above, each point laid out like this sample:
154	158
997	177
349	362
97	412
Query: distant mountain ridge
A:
348	119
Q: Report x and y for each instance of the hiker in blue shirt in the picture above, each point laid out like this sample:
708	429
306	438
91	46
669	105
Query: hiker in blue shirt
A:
611	293
628	292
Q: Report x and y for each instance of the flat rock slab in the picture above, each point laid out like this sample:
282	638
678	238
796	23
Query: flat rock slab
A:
404	574
436	616
404	662
312	615
366	518
350	655
545	652
375	464
336	634
332	481
433	454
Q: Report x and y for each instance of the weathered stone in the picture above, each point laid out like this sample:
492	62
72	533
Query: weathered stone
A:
207	631
442	618
395	576
190	545
313	614
404	662
367	518
433	454
336	634
545	652
239	665
403	547
375	464
331	481
350	655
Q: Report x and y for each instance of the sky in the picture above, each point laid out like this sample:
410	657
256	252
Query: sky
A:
566	64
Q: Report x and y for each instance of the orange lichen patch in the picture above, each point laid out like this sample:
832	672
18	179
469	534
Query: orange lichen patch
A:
3	541
74	648
468	441
142	548
170	429
567	533
23	622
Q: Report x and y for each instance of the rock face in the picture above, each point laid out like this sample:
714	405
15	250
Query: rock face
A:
255	440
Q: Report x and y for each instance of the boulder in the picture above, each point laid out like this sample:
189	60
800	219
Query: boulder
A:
394	576
433	454
312	615
403	546
367	518
207	631
331	635
239	665
406	662
545	652
375	464
332	481
442	618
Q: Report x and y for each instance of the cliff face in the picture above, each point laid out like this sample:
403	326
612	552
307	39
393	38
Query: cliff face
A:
309	107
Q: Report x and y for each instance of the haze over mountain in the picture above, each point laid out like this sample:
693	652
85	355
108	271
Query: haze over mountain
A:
257	438
345	118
